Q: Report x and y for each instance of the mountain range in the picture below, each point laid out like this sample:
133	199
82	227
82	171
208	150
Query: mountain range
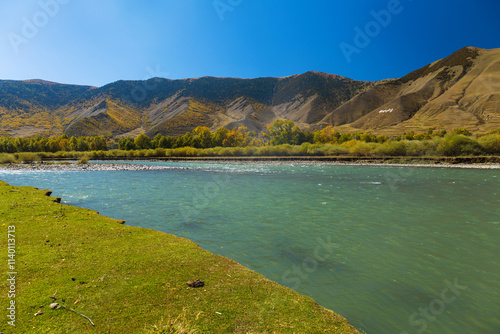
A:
461	90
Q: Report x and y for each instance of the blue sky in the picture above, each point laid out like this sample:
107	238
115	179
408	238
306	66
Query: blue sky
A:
97	42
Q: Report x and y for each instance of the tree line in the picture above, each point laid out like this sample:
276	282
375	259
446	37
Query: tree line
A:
281	132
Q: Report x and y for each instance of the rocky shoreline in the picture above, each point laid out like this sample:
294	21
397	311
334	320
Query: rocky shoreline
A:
91	167
97	166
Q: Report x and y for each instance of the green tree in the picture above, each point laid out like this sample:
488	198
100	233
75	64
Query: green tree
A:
166	142
54	145
142	142
155	143
184	141
21	144
283	131
203	137
126	143
82	145
219	136
73	143
345	137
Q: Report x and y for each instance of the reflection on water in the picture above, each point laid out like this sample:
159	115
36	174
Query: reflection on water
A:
377	245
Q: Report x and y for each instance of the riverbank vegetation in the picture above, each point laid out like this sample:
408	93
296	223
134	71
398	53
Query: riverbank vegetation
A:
282	138
127	279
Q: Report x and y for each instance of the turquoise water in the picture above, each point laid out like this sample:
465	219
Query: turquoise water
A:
379	245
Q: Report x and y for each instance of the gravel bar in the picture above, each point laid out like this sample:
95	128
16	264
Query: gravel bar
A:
140	167
91	167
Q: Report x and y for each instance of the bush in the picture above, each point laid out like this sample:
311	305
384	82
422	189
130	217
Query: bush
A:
159	152
416	148
455	145
7	158
97	154
28	157
490	143
249	151
84	160
330	149
461	131
263	151
360	148
140	153
391	148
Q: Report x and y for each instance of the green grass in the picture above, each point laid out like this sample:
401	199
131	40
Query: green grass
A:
133	280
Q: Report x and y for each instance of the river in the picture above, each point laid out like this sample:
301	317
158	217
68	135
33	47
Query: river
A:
394	250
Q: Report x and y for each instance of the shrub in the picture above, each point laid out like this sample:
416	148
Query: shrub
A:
330	149
360	148
151	153
490	143
225	152
461	131
381	139
318	149
159	152
184	152
391	148
28	157
281	150
97	154
455	145
249	151
415	148
264	151
118	153
84	160
140	153
7	158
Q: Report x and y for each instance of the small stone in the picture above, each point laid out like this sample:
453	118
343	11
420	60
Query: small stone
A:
54	305
196	283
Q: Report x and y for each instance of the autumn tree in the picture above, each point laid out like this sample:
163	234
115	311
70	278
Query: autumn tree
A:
326	135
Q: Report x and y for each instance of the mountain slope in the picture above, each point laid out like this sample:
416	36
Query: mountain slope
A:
171	106
34	105
462	90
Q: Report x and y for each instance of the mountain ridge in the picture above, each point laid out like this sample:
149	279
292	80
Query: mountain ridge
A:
461	90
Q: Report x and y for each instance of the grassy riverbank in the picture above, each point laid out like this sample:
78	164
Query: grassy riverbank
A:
133	280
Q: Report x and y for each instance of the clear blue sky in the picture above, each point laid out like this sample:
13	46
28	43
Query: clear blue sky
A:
95	42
